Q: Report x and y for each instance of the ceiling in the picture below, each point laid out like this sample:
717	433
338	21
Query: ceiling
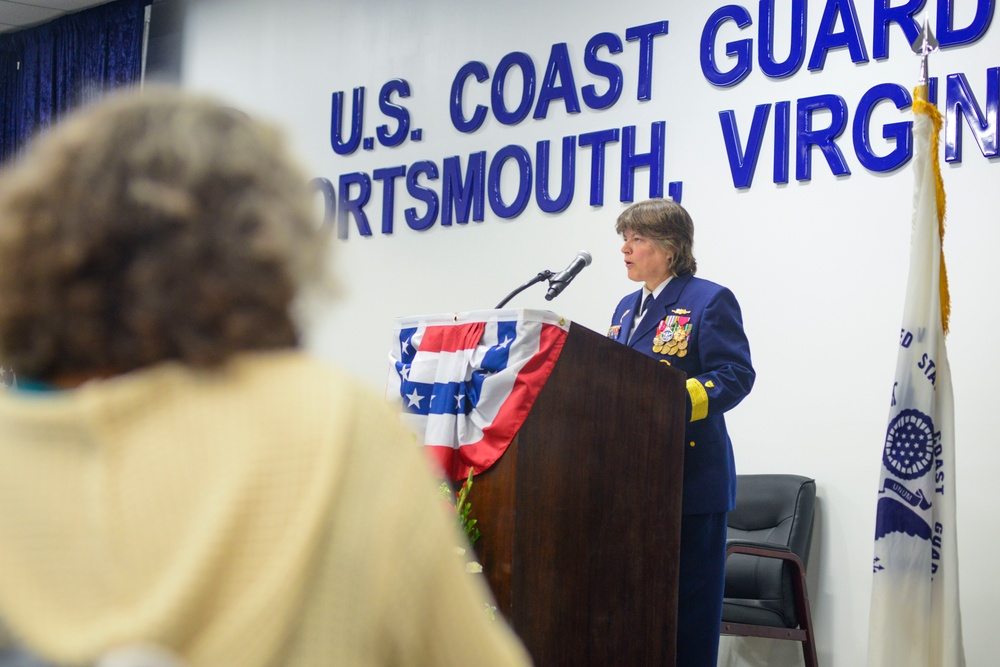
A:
21	14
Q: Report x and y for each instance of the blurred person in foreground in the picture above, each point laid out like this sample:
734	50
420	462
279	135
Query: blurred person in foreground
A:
173	470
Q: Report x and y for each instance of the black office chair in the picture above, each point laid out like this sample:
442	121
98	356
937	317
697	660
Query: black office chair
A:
766	554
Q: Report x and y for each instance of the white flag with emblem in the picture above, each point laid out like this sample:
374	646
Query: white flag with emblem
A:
915	615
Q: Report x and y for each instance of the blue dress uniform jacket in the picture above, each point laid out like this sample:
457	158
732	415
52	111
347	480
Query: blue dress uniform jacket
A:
696	326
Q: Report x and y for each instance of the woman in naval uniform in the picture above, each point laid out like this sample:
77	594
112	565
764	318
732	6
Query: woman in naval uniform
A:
696	326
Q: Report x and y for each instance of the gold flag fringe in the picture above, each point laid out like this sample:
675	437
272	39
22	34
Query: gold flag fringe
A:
923	107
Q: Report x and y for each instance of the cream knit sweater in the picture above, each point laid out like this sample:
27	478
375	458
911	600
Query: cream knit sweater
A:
269	513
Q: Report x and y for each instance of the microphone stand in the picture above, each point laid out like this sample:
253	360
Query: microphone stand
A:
544	275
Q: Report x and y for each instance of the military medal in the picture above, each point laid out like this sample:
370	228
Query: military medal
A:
616	329
659	338
673	334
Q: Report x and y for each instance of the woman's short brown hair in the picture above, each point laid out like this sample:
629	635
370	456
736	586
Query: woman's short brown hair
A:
666	223
149	227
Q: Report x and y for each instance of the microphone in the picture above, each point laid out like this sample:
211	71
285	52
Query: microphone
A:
559	281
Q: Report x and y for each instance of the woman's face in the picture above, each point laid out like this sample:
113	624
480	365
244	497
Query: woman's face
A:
645	261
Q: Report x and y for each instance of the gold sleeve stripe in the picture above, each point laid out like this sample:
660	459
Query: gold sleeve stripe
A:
699	399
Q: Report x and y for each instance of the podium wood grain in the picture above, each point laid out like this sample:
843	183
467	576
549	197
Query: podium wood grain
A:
580	518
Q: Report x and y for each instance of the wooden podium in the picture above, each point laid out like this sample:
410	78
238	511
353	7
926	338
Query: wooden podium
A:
580	518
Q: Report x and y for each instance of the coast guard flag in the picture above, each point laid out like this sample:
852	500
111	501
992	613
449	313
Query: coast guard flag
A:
467	382
915	615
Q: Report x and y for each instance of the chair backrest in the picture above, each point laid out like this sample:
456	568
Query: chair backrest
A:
773	509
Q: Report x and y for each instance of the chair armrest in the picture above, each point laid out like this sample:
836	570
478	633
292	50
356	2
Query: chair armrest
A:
750	544
765	550
798	572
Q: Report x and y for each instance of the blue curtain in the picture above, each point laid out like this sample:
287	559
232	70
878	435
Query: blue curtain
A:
48	70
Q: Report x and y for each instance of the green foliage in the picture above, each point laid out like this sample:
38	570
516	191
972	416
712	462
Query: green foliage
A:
463	508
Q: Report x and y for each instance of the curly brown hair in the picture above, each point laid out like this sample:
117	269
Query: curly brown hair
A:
667	224
149	227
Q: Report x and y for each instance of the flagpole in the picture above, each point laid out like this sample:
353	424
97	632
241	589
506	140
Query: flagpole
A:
925	44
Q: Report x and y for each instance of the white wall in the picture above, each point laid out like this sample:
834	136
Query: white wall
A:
819	266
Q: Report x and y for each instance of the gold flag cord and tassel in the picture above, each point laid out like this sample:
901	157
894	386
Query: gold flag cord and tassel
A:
921	105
